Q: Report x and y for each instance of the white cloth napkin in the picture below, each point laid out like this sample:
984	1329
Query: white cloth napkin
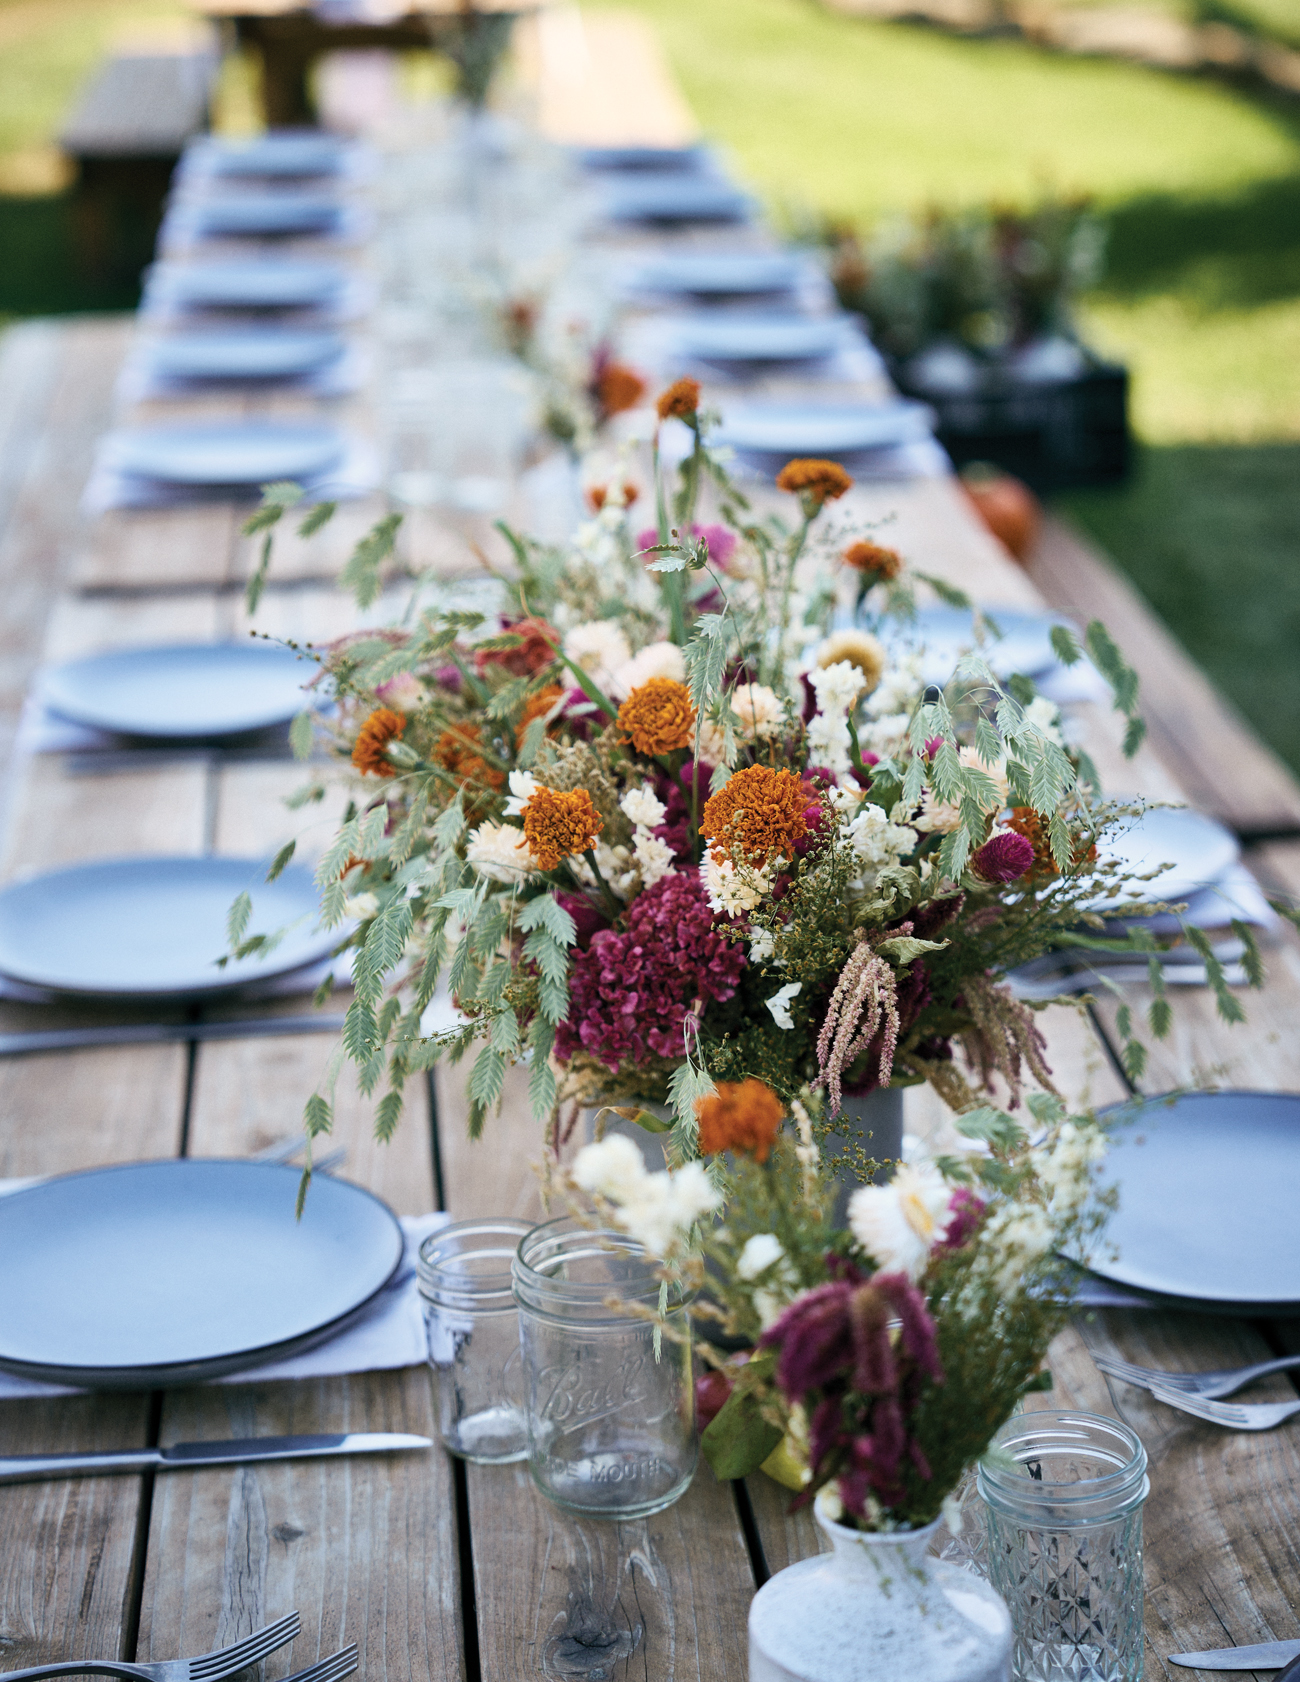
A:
389	1335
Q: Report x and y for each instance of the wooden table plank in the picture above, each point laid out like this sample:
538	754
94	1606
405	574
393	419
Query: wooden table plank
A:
1221	1524
60	816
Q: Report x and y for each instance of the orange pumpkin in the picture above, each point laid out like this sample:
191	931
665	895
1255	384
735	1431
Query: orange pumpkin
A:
1008	508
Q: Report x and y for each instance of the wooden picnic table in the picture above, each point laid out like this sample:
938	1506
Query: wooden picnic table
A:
436	1568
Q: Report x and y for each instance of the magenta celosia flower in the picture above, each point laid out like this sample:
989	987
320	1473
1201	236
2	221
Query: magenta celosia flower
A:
965	1212
1003	857
631	991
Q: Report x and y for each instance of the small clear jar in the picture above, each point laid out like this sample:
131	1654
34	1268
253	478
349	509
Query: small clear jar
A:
472	1330
611	1421
1063	1494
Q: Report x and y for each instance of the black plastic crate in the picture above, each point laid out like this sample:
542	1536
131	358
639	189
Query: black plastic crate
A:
1060	436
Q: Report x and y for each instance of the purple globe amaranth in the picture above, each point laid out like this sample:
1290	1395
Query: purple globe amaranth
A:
1003	857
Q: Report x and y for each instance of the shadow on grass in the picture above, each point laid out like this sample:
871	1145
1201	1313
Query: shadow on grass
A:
1210	534
62	255
1231	252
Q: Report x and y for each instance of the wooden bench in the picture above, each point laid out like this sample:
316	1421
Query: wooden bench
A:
125	135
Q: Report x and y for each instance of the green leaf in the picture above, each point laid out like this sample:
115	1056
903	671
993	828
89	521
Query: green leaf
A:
547	911
739	1439
591	690
275	499
360	573
318	1117
1251	959
386	1116
995	1127
486	1080
280	860
237	918
905	949
302	734
320	515
1065	645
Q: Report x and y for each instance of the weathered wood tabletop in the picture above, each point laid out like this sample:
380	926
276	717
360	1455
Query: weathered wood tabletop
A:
434	1568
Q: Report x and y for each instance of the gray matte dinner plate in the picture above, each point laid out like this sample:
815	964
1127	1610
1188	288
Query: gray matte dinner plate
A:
648	197
946	633
826	430
268	353
180	691
252	214
254	284
161	1273
706	274
155	927
283	154
1206	1186
1197	848
758	338
683	158
227	452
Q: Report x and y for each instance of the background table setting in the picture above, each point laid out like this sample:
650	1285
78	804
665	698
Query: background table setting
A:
316	315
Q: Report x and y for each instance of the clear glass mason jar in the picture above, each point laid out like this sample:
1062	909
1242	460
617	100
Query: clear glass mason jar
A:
611	1423
1063	1496
472	1330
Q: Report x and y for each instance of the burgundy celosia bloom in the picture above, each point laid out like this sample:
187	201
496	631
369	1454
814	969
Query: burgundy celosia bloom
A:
966	1211
631	991
839	1356
1003	857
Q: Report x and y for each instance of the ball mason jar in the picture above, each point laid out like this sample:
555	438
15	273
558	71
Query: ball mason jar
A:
472	1331
1063	1494
611	1421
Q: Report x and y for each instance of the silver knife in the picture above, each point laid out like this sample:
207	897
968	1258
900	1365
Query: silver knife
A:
23	1468
1268	1655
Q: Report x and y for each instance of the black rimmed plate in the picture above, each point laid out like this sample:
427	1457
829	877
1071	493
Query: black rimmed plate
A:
252	214
182	691
153	928
162	1273
253	284
1206	1185
227	452
265	354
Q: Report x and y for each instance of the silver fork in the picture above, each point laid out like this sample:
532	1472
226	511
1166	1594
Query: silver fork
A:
1237	1416
1221	1383
208	1667
332	1669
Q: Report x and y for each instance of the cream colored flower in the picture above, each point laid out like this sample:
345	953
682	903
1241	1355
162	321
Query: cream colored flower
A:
500	852
858	648
898	1223
643	806
654	857
837	686
612	1167
361	906
758	708
732	890
523	786
599	647
779	1003
656	659
829	743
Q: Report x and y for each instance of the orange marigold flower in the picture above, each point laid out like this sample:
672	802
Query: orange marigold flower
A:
658	716
618	388
457	751
739	1116
759	810
598	496
536	706
873	560
558	824
680	401
369	749
527	658
816	481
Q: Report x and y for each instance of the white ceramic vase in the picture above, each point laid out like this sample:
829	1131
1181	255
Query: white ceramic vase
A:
878	1609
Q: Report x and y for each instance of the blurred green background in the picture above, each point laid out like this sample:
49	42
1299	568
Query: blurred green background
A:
1199	182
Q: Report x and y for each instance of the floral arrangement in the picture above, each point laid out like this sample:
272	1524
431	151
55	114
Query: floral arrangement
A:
880	1359
989	278
683	812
